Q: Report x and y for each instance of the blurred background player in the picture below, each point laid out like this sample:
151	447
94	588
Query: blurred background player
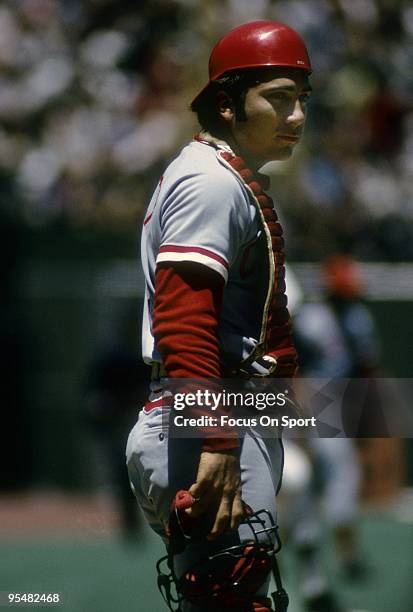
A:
336	338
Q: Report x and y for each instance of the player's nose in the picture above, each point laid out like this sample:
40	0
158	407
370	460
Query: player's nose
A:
297	116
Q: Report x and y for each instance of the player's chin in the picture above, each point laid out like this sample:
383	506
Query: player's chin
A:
283	153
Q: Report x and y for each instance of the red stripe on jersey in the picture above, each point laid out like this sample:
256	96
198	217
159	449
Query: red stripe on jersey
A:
148	218
172	248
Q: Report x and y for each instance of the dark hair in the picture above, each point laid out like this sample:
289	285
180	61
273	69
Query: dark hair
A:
205	106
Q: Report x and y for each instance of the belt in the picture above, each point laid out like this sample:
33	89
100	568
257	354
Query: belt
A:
157	372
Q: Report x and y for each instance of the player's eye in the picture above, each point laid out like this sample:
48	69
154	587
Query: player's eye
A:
304	98
279	96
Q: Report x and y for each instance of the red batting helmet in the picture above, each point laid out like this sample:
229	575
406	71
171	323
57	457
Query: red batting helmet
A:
342	276
258	44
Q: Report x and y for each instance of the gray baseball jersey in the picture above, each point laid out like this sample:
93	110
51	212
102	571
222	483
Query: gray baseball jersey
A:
202	212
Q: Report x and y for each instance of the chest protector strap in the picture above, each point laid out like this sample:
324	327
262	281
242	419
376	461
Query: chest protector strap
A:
275	339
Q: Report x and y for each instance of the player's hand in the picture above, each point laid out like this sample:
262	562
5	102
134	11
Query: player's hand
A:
218	491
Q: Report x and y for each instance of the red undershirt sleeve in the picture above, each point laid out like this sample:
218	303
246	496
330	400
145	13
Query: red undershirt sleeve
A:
188	299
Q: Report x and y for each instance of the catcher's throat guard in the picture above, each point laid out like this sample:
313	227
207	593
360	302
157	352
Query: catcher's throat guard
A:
229	577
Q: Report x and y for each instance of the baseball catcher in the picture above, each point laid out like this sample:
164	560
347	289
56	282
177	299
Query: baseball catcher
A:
215	307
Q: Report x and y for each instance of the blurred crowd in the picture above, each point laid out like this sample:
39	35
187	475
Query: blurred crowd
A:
94	100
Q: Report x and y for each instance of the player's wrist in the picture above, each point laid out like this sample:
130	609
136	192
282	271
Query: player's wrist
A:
220	445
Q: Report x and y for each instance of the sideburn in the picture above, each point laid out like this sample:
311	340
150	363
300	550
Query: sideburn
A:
239	106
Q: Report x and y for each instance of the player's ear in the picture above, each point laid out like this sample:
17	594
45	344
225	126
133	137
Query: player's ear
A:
225	106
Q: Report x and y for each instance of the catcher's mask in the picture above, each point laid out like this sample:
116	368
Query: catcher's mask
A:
230	576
